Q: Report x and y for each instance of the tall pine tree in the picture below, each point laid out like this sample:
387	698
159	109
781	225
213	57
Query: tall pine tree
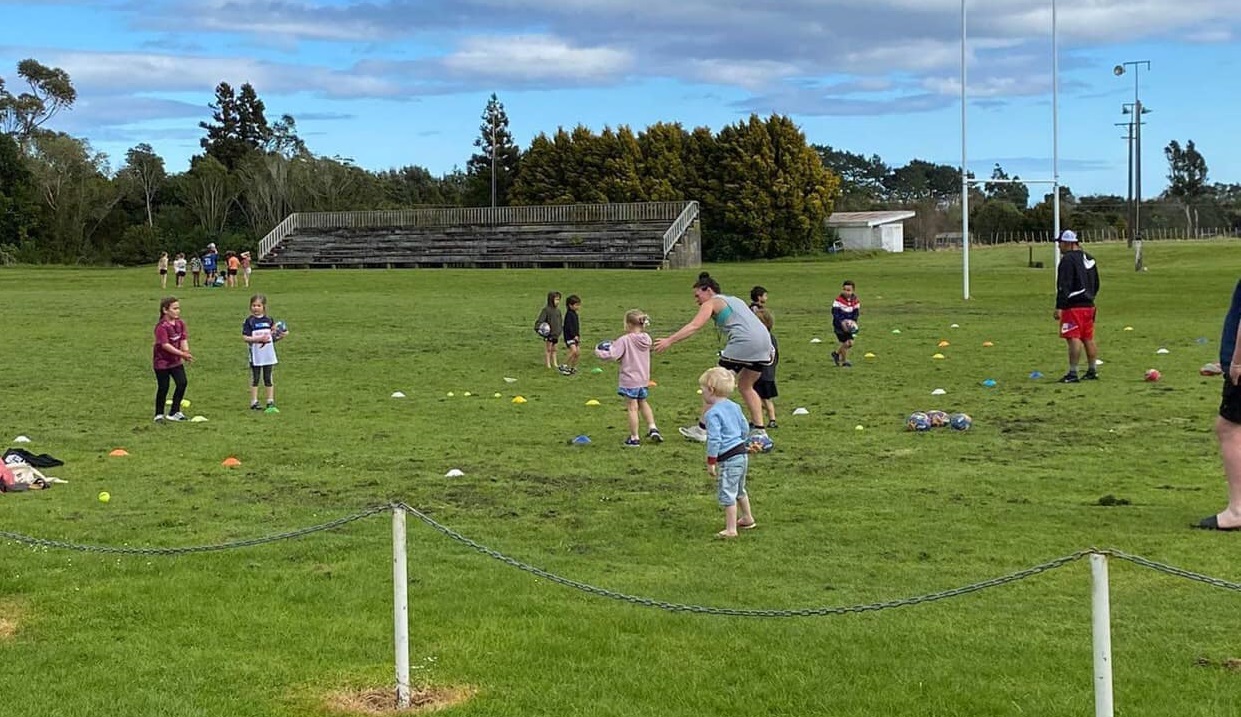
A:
495	149
238	128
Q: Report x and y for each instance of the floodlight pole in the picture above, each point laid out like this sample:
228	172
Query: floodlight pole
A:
1055	143
1138	111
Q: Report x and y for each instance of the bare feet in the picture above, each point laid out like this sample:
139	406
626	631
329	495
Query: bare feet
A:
725	535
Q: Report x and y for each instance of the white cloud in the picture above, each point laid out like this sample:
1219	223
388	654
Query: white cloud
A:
536	57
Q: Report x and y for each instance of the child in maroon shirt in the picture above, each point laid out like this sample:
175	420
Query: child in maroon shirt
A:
171	353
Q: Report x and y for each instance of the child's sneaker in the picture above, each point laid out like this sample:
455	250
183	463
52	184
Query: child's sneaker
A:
159	418
632	442
255	406
846	364
1090	375
178	416
772	424
655	436
271	408
564	370
694	433
835	358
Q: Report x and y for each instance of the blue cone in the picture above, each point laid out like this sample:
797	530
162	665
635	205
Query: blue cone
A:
1036	374
581	440
989	383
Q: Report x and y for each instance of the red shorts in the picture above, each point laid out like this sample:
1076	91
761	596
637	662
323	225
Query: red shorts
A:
1077	322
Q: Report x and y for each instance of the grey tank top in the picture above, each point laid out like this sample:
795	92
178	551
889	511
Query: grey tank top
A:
748	339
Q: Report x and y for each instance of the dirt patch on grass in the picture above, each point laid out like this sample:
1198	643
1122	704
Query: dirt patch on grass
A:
10	620
8	628
382	700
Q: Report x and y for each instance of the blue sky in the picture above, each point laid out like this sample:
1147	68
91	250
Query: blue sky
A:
394	82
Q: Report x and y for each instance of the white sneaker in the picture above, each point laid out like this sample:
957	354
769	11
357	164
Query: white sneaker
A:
694	433
178	416
159	418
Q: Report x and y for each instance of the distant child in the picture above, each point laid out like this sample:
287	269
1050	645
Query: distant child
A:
728	457
572	334
550	315
846	307
758	298
245	267
163	271
178	268
171	353
766	384
261	333
633	351
234	266
196	268
209	263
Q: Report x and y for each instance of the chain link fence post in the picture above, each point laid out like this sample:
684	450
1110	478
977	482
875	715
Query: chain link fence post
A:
400	607
1101	619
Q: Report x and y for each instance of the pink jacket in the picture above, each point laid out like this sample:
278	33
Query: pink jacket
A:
633	351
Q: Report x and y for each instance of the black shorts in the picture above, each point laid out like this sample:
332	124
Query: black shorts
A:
232	272
575	341
1230	404
736	366
163	272
766	389
844	337
553	340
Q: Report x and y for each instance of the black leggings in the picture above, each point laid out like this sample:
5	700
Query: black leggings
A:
177	374
256	371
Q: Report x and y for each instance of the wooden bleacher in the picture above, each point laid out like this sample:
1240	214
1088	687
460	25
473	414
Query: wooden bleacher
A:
582	236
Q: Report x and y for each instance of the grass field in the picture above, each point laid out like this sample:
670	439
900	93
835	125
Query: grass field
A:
846	516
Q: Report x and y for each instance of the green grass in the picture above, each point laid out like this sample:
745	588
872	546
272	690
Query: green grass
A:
846	517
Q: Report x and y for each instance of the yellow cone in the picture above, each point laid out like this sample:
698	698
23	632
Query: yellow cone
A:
943	344
987	344
592	402
937	357
868	355
518	399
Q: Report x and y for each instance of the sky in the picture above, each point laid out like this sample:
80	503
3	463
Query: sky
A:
389	83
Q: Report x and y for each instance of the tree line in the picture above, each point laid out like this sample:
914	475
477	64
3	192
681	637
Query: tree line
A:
764	191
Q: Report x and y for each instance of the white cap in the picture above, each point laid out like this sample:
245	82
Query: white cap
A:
1068	236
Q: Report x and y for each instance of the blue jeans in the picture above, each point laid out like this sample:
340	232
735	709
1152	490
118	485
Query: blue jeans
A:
731	475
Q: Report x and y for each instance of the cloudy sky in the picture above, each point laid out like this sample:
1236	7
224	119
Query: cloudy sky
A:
395	82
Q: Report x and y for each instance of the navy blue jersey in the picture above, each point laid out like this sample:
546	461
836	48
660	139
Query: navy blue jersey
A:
1228	340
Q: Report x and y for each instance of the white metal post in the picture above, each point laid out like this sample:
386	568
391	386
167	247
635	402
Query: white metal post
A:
1055	144
1101	619
965	182
400	607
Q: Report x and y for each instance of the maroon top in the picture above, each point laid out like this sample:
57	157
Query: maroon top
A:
168	332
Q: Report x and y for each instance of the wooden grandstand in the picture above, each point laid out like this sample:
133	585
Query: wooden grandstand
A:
647	235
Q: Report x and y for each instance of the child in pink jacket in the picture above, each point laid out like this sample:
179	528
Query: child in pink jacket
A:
633	351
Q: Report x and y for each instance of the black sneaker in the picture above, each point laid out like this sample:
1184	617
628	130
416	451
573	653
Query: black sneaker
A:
1069	378
654	436
835	358
1091	376
255	406
772	424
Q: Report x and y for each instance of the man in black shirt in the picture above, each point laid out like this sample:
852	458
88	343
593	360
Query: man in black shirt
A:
1077	283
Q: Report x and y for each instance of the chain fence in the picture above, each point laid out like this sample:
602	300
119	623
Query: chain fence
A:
623	597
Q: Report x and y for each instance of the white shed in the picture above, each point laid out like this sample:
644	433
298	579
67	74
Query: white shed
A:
871	230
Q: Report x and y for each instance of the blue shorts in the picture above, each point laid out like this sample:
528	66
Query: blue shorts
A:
731	475
637	394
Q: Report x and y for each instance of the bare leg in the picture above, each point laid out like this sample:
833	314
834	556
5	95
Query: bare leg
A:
745	386
770	407
631	409
648	414
1075	353
1092	353
1229	435
730	522
745	519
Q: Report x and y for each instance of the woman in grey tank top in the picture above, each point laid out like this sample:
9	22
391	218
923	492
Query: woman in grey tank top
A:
747	350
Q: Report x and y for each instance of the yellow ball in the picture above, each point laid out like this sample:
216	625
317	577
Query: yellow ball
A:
104	497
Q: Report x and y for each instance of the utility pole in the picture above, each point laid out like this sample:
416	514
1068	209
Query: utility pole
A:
1129	208
1137	111
492	112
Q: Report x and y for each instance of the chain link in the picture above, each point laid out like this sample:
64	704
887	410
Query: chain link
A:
633	599
1169	569
742	612
113	550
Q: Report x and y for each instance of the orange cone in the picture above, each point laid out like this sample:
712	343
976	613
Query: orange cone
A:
119	452
230	462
